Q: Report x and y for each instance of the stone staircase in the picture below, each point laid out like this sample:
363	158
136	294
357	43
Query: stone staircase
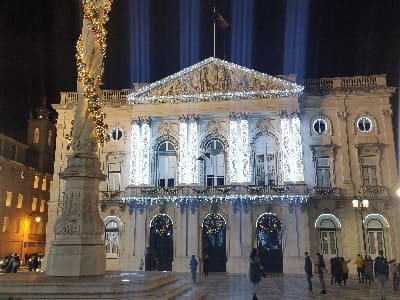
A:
113	285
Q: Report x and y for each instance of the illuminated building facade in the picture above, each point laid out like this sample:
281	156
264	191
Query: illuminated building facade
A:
25	179
217	159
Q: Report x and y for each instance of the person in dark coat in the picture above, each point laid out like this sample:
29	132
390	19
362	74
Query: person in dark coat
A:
308	270
321	270
193	267
206	262
255	271
381	270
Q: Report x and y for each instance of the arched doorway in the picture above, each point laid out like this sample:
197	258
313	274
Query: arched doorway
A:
269	242
161	242
214	242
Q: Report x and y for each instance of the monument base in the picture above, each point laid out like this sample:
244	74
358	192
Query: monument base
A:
65	259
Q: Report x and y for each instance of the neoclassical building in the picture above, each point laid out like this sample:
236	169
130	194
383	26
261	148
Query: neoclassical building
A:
217	159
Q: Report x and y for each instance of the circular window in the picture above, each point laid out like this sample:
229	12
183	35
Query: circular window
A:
115	134
320	126
364	124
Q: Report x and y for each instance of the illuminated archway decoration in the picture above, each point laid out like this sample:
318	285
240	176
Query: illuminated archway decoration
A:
162	224
378	217
268	222
330	217
214	223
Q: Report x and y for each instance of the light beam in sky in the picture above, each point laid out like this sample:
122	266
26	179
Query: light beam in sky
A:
189	33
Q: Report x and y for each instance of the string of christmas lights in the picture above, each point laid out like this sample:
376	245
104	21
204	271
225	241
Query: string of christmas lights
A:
87	47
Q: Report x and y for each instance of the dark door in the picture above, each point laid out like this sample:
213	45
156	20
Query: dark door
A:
214	242
161	242
269	243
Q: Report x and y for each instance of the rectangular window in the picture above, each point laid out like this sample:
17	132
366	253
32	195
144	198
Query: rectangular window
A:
323	171
328	242
42	205
34	204
368	169
114	176
8	199
376	241
44	184
36	182
5	224
17	226
20	200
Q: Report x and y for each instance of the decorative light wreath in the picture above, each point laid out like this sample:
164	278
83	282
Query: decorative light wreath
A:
268	223
161	224
214	223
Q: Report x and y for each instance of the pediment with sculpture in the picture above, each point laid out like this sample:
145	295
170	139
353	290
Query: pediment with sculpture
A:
214	79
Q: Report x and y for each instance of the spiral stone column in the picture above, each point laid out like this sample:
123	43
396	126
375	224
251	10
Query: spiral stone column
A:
78	247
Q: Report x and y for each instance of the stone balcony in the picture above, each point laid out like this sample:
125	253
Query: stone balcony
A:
141	196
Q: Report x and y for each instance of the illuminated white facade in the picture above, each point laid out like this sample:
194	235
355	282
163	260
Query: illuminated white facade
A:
217	159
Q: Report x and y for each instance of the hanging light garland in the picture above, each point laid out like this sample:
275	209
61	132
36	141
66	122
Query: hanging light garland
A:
213	223
96	17
161	224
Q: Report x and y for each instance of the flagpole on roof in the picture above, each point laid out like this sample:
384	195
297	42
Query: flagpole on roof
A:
214	14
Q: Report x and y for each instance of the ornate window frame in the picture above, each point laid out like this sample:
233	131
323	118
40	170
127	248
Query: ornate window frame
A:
325	151
328	123
374	124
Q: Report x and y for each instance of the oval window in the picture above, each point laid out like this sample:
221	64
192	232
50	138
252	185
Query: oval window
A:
364	124
319	126
115	134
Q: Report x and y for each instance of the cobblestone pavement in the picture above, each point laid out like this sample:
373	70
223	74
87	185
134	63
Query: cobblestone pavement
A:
225	286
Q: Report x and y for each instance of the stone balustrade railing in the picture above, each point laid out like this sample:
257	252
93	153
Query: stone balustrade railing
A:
108	97
355	82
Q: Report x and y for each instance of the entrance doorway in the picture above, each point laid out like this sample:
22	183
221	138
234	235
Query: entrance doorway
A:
214	242
161	242
269	242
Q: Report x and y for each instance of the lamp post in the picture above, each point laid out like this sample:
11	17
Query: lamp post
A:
361	206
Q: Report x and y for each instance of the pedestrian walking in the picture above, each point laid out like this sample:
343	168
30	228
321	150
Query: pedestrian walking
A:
381	270
206	262
193	267
360	268
345	270
255	271
368	270
308	270
394	273
141	264
321	269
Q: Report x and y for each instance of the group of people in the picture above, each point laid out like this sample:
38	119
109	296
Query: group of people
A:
367	270
12	263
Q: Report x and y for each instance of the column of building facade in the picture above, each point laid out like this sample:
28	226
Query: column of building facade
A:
193	231
140	234
240	237
180	262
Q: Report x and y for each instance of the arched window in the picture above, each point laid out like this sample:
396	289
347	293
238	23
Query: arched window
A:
166	164
214	158
111	237
375	225
328	224
265	161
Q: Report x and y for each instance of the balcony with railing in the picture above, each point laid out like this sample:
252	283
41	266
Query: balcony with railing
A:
108	97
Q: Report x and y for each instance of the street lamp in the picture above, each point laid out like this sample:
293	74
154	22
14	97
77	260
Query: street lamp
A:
361	205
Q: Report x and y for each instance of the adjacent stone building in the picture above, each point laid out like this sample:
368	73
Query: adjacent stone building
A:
25	179
217	159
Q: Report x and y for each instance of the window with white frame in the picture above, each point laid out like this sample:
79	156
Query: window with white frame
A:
166	164
376	237
323	178
111	238
319	126
364	124
328	235
368	171
215	164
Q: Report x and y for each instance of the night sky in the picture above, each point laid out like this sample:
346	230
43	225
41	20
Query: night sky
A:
312	38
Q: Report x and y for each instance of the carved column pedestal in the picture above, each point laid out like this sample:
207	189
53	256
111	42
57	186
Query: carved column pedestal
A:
78	248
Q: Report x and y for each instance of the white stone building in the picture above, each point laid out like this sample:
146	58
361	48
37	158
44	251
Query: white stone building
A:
217	159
